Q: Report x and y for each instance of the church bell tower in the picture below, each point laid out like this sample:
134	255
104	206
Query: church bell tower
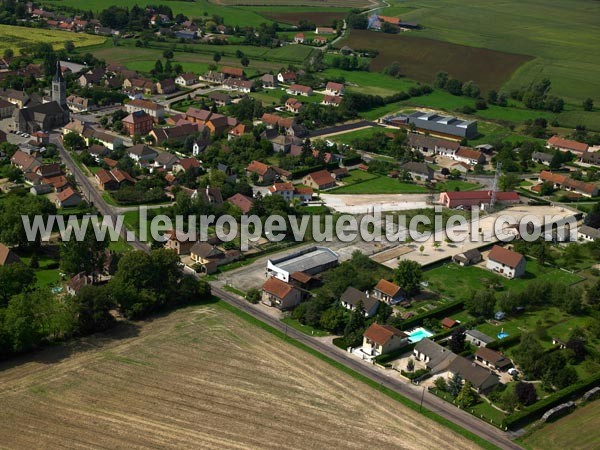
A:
59	88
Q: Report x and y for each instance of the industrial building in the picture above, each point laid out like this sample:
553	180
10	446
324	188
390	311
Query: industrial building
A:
310	261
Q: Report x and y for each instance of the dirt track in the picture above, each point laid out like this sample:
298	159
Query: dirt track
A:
200	378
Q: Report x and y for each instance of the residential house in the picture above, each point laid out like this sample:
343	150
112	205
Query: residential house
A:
319	40
233	72
506	262
352	298
592	158
469	156
78	282
298	89
335	89
280	294
186	165
293	105
435	357
112	180
566	145
542	158
186	34
243	202
563	182
382	339
97	152
48	170
587	233
286	77
418	170
6	109
461	167
269	81
429	144
209	257
219	124
165	160
110	141
299	38
138	123
24	162
388	292
68	198
7	256
492	359
153	109
179	242
481	379
199	116
214	77
141	152
448	322
330	100
265	173
78	104
324	30
468	257
477	338
220	98
174	134
236	132
209	196
148	87
237	84
91	77
166	86
465	199
289	192
319	180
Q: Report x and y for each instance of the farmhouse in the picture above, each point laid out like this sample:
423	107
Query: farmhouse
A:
319	180
312	260
435	357
430	144
280	294
482	380
324	30
352	298
178	242
335	89
286	77
506	262
566	145
388	292
454	199
563	182
418	170
492	358
299	38
469	156
233	72
477	338
298	89
113	180
382	339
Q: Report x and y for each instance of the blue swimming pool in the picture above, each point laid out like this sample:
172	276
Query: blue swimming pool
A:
419	334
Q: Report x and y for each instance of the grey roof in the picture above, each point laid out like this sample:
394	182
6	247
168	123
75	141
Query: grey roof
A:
589	231
306	260
141	150
166	158
419	168
541	156
353	296
471	372
443	124
472	255
480	336
430	142
437	354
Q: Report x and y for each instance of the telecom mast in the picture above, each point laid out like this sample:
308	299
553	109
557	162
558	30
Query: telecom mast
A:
495	186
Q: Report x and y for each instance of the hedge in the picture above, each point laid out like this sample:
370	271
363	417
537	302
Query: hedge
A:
340	342
505	343
442	334
537	410
443	311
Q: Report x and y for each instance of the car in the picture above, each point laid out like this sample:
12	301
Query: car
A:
512	371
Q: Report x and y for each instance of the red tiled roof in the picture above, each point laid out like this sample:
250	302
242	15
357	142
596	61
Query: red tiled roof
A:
67	193
388	288
448	322
321	178
332	86
278	288
258	167
381	334
469	153
505	256
557	141
242	202
300	88
233	71
482	195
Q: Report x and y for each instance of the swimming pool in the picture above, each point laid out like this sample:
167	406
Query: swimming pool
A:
418	334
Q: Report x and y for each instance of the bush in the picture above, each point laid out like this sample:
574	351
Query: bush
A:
253	296
414	375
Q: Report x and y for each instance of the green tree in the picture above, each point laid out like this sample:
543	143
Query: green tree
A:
245	61
408	276
217	57
86	255
333	320
12	229
440	384
253	295
588	104
509	182
467	396
8	53
526	393
455	385
14	279
158	66
481	303
73	141
168	54
529	353
69	46
92	306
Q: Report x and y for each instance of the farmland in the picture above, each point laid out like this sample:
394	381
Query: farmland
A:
294	3
578	429
199	377
366	183
18	37
422	58
316	16
566	54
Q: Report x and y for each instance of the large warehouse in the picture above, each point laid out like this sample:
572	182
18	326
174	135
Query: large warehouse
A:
310	261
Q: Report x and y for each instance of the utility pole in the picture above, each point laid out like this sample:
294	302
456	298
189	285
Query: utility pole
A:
495	186
422	395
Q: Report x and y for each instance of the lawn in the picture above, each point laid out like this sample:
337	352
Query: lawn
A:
458	282
577	430
456	185
378	185
306	329
569	56
47	274
364	133
18	37
371	82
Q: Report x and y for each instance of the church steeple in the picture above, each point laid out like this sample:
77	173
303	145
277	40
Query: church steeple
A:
59	87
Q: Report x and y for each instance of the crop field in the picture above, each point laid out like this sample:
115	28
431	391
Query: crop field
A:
421	58
18	37
200	377
313	16
562	35
295	3
576	430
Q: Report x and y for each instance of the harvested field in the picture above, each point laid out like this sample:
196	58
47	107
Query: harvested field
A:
293	18
295	3
199	378
16	38
422	58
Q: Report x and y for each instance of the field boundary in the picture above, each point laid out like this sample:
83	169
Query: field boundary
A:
389	392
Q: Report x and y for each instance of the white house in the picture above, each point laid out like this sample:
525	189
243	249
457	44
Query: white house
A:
506	262
588	233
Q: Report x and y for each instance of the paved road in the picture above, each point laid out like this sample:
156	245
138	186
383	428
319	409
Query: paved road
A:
414	393
90	192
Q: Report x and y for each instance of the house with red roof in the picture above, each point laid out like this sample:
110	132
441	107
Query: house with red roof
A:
469	156
388	292
505	262
382	339
299	38
335	89
68	198
243	202
319	180
454	199
264	172
566	145
299	89
280	294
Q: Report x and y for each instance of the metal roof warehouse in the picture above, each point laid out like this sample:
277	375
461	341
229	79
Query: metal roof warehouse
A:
311	261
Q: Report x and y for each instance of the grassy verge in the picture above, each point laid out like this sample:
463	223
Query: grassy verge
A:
306	329
390	393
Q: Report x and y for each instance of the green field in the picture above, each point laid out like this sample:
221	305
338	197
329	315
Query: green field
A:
577	430
377	185
562	35
18	37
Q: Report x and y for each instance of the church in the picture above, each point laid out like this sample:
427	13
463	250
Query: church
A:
46	116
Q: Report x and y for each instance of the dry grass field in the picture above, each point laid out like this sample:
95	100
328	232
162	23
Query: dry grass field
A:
420	58
199	378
